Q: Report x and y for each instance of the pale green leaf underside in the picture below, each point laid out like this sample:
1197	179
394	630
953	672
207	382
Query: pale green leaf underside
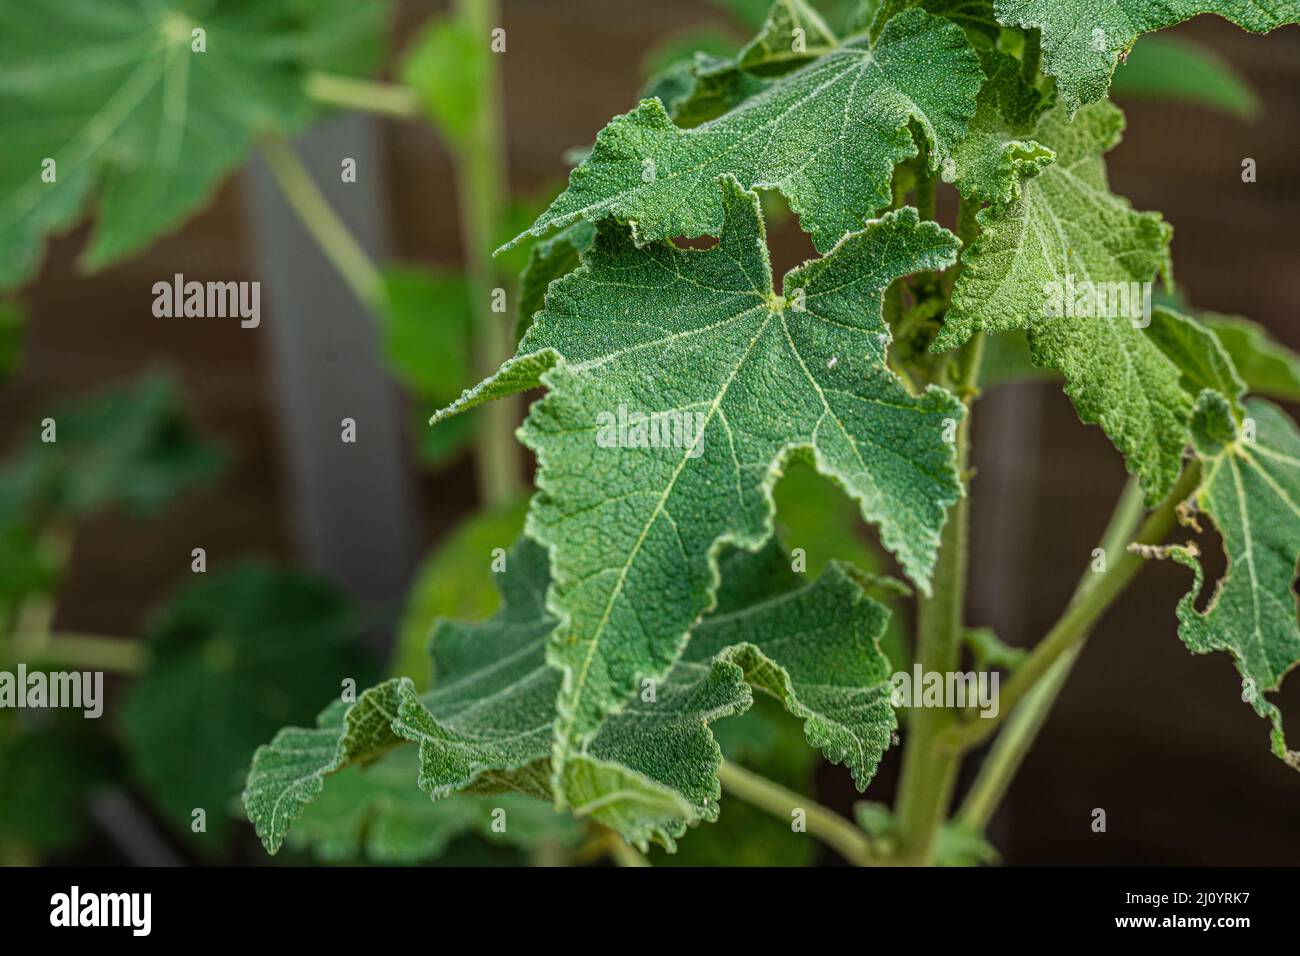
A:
486	726
289	772
634	530
827	136
1269	368
1251	491
377	813
1068	233
113	93
1082	39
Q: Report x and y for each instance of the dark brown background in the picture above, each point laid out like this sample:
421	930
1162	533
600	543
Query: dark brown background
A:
1152	734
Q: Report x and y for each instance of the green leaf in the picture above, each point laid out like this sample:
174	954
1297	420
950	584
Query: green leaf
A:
1197	354
487	724
46	776
974	16
708	85
1068	234
1269	369
233	657
1172	68
749	378
1251	491
843	120
448	65
130	446
792	35
816	517
451	583
548	260
651	770
997	156
138	124
770	742
488	721
376	812
426	322
289	773
817	652
703	89
1083	39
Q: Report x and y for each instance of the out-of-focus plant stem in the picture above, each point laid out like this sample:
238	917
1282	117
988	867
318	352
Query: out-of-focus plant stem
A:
481	190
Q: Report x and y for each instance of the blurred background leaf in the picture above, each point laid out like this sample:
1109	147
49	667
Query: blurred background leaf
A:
1173	68
235	656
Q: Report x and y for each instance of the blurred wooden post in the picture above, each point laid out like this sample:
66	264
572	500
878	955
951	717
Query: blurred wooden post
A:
353	509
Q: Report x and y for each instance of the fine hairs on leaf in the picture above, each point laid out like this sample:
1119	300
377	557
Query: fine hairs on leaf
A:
485	726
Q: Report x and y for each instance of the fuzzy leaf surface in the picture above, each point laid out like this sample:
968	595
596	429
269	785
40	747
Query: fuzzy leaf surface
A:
827	136
486	726
377	813
1083	39
1251	491
997	154
1029	268
755	377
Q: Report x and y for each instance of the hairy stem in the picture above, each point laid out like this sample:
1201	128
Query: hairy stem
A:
929	766
480	190
1023	725
1081	616
385	99
318	216
823	823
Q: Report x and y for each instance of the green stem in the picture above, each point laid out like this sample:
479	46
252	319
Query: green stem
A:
1093	600
81	651
385	99
481	188
625	855
929	767
823	823
318	216
1023	726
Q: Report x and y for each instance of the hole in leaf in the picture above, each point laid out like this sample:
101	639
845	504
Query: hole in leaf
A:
1214	560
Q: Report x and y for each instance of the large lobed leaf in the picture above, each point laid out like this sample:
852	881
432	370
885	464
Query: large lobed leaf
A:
137	122
634	530
1251	491
1082	39
827	136
487	724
